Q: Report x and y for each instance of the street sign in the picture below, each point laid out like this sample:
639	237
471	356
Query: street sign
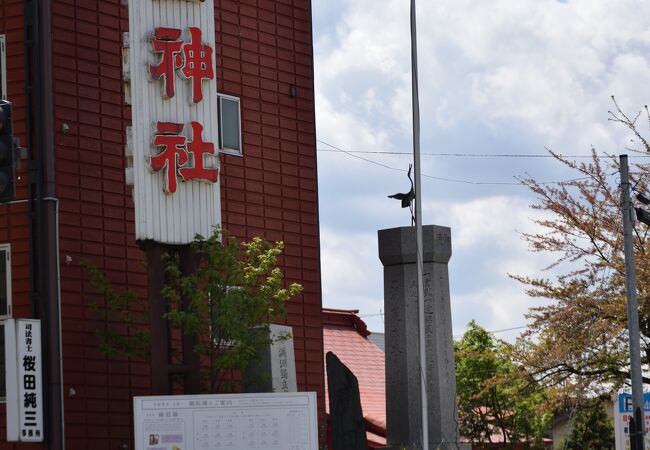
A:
622	416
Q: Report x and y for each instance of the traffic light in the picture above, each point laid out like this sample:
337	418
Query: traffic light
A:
641	214
7	157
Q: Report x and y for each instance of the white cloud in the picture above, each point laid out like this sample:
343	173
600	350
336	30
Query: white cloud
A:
353	279
537	71
345	127
495	77
349	258
541	65
480	286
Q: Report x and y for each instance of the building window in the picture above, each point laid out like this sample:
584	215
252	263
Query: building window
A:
229	125
3	381
3	68
5	282
5	309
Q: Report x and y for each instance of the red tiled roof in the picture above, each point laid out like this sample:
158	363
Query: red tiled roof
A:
344	334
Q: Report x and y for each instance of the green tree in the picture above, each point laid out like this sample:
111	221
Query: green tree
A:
494	395
592	429
579	340
122	315
228	303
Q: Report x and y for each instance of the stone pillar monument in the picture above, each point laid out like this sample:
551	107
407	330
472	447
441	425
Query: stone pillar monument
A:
403	398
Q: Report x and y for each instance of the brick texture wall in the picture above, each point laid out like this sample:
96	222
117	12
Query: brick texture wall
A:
263	48
96	216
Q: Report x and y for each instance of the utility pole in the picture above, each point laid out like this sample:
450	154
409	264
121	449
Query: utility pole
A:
637	431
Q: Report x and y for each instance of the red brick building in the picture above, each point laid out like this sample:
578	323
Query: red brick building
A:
62	70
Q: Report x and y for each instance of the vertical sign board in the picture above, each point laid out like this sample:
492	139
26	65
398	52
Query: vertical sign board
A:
226	422
622	416
24	381
175	130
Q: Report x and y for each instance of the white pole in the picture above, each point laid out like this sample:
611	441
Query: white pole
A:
418	226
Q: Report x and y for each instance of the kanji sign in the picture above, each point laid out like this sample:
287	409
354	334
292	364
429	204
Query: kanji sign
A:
172	154
197	63
174	128
166	41
174	157
198	150
193	58
24	380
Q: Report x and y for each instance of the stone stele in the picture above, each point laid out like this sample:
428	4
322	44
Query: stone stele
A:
397	252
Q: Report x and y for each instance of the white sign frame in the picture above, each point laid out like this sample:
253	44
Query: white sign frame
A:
195	206
3	65
24	380
275	421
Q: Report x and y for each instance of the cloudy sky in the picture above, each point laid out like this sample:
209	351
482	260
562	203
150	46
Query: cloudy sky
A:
496	77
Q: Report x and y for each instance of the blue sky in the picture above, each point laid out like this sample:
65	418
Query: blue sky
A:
496	77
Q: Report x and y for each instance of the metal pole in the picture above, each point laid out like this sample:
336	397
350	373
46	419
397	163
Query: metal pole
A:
632	307
418	227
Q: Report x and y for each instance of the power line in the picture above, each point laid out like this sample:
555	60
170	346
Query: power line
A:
460	155
457	155
503	330
467	155
522	327
451	180
508	329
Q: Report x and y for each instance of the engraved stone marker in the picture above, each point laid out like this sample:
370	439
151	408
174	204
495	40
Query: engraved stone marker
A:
275	369
397	252
348	430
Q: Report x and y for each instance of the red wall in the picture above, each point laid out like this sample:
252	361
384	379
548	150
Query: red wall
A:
263	47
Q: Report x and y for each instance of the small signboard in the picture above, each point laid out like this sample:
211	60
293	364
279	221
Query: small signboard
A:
283	361
622	416
24	380
278	421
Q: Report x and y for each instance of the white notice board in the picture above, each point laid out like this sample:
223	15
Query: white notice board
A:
278	421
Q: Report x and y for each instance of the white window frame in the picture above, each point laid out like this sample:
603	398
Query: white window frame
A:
3	317
226	150
3	65
7	249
